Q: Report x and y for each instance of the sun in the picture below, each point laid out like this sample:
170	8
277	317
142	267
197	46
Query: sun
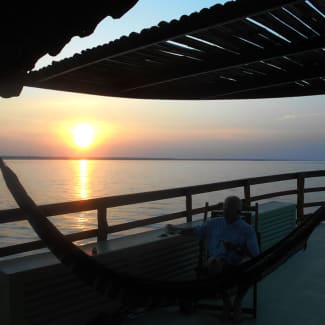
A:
83	135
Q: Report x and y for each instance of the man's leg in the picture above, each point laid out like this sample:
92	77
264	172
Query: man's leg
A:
226	312
238	302
215	267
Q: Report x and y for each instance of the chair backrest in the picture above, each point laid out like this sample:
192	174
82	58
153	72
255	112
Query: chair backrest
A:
249	214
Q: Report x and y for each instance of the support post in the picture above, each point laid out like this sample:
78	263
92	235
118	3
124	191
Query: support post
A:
188	207
247	195
102	224
300	197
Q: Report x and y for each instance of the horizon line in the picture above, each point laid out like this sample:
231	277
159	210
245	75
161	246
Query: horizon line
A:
36	157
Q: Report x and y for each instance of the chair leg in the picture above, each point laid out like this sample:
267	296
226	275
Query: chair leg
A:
252	310
236	304
255	300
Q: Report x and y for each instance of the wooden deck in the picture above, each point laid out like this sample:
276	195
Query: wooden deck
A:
294	294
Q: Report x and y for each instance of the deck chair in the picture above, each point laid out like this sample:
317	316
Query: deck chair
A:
250	215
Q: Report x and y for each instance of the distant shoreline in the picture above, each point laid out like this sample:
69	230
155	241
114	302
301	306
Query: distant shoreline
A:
146	158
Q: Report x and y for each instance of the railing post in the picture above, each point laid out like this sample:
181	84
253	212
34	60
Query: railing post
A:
188	207
300	196
102	223
247	195
205	215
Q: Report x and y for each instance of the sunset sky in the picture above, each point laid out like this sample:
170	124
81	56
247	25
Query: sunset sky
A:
41	122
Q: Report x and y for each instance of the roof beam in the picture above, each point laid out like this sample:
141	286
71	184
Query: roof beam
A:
230	61
223	89
278	79
283	90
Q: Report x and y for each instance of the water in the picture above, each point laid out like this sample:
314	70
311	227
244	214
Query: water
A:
53	181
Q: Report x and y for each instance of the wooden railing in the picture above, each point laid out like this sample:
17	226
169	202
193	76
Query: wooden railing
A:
104	203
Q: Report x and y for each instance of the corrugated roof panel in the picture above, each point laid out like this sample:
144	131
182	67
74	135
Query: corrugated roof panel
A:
233	51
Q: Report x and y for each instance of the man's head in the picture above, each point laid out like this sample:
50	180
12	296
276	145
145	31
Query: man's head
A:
231	208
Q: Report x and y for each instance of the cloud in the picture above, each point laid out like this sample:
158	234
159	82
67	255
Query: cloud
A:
304	116
288	117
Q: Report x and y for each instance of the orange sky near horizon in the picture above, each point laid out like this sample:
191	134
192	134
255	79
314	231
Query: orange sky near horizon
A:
41	122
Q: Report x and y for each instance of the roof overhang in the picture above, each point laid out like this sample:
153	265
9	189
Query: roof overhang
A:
31	29
240	50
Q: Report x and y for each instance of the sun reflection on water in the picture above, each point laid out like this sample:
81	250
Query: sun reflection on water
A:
83	184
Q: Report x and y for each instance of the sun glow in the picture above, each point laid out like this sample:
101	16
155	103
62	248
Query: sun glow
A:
83	135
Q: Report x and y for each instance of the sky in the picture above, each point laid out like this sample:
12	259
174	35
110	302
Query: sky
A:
41	122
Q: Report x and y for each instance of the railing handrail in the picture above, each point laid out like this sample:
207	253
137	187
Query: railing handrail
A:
103	203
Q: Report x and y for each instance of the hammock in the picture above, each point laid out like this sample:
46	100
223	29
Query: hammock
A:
117	285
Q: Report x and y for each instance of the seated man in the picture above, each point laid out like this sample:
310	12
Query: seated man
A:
229	240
